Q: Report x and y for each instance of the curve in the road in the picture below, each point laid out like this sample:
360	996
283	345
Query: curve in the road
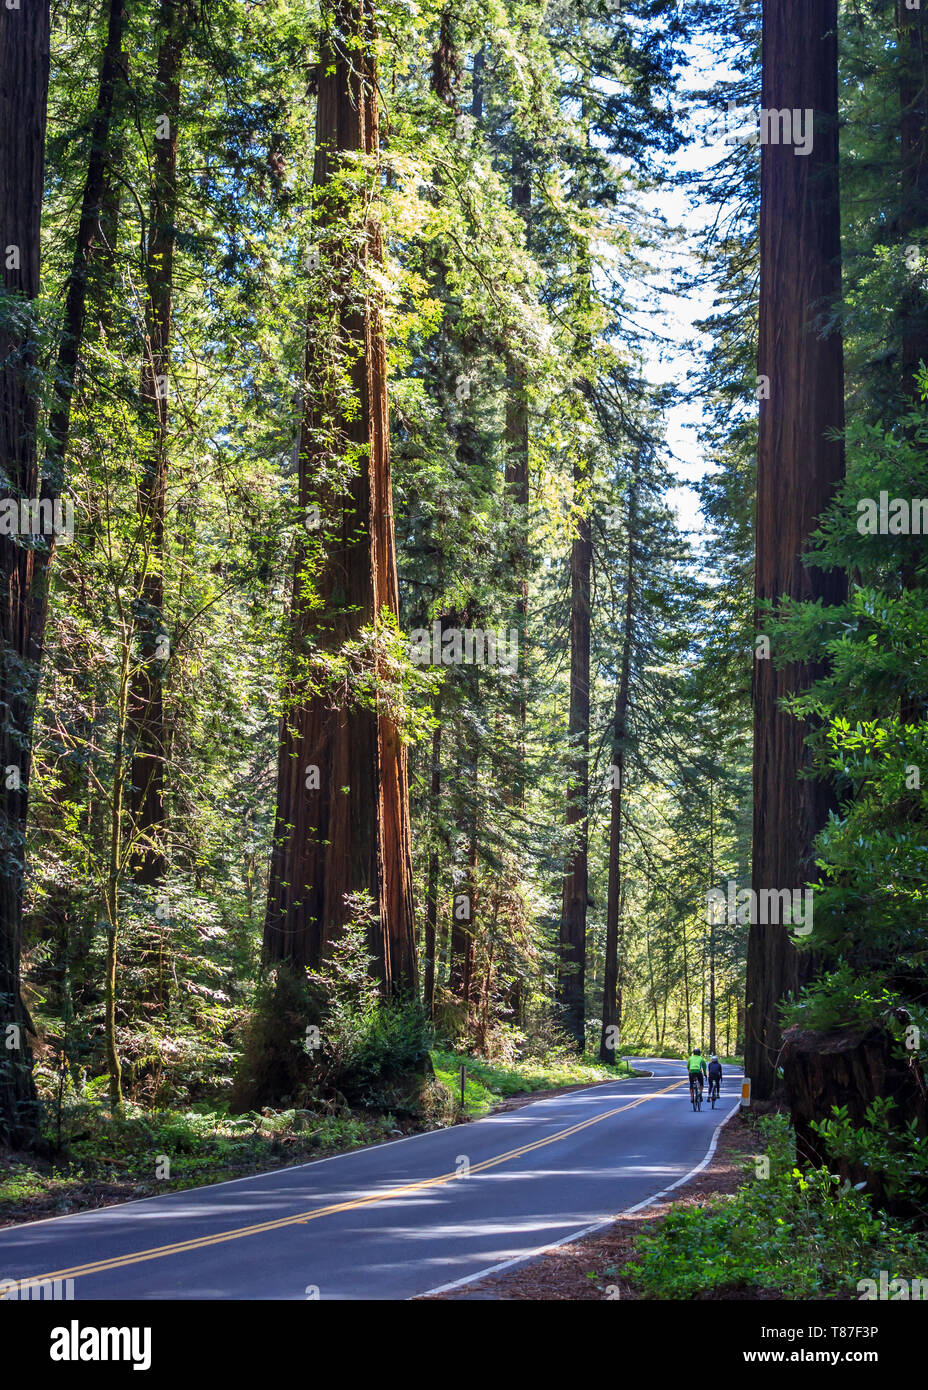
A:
399	1219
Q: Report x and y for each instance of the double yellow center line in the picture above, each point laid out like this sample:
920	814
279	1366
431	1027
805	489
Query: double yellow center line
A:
159	1252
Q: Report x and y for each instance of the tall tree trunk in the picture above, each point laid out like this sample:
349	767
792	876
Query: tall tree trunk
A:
343	829
476	103
464	909
575	897
686	992
663	1033
610	1027
712	919
96	225
24	66
912	33
798	468
848	1067
470	956
572	960
431	891
443	947
147	732
115	870
652	985
518	493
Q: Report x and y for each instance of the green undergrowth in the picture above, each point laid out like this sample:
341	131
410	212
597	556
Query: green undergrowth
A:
796	1234
486	1083
106	1158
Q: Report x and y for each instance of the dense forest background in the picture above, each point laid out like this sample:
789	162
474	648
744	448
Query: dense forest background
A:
372	699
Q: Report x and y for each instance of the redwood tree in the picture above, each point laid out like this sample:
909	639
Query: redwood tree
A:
146	703
342	823
24	66
431	891
572	961
913	135
612	996
798	469
517	485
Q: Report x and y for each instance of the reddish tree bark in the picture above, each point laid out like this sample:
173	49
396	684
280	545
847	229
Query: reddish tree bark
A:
572	962
94	227
912	33
24	66
350	834
147	732
431	892
849	1067
711	880
571	983
464	906
517	441
93	251
612	997
798	469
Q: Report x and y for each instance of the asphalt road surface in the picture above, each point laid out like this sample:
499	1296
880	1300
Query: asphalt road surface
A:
392	1221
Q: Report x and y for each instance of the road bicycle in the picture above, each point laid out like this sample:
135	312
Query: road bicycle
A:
695	1093
713	1092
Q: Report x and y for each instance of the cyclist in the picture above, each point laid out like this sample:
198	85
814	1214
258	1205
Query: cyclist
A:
697	1069
714	1075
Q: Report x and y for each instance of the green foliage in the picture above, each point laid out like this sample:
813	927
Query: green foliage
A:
125	1154
333	1034
896	1155
843	998
275	1063
369	1046
485	1082
868	736
802	1234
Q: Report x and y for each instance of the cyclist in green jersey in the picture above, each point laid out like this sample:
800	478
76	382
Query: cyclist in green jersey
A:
696	1066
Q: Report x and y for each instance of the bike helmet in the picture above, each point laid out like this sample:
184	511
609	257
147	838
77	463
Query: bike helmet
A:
696	1052
713	1058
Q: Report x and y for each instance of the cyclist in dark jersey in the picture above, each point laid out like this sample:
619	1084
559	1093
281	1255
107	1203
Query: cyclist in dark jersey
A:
714	1074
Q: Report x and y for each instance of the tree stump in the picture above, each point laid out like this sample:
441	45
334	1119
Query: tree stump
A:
848	1067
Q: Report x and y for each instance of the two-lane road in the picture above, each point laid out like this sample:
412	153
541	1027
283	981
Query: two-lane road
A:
392	1221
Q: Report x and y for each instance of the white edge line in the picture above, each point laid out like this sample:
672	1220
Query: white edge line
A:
587	1230
311	1163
